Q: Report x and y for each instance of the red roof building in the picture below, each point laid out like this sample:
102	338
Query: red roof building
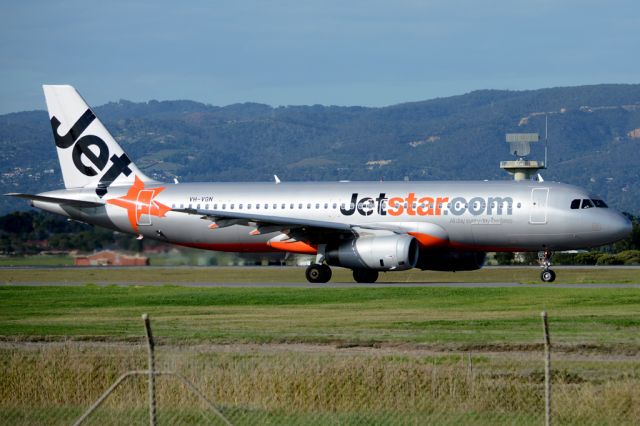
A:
110	258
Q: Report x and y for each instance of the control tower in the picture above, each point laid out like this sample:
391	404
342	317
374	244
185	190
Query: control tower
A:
520	147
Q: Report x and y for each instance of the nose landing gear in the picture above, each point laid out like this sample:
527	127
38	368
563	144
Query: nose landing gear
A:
544	259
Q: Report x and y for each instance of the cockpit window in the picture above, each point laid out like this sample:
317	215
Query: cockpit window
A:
600	203
587	204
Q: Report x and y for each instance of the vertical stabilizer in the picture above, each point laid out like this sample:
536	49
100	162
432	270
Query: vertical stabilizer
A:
89	156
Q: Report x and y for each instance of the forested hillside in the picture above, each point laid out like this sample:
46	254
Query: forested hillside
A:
594	140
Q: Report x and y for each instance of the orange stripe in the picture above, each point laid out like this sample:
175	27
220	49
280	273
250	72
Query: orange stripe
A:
299	247
428	241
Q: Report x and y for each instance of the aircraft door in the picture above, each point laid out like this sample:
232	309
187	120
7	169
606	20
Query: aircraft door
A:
143	207
538	212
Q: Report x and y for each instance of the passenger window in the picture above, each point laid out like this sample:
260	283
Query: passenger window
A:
308	206
326	206
232	206
600	203
248	206
291	206
587	204
240	207
283	206
575	204
206	206
224	207
335	205
266	206
275	206
300	206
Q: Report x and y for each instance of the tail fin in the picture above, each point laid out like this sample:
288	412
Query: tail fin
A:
89	156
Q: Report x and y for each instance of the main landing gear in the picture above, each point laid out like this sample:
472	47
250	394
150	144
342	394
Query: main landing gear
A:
365	275
544	259
318	273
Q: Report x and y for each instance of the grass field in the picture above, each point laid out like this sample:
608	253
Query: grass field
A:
274	274
37	260
602	318
314	355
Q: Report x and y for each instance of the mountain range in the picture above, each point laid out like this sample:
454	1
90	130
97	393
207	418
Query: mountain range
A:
593	131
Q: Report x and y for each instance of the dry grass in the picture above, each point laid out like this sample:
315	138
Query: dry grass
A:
257	386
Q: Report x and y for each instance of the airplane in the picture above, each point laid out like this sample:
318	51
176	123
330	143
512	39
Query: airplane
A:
368	227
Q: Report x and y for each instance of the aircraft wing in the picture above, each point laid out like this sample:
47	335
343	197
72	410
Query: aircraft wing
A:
225	218
57	200
319	231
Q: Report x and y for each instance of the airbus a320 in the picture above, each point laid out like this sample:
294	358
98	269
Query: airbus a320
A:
367	227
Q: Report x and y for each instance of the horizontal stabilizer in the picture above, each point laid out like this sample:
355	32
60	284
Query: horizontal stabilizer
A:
57	200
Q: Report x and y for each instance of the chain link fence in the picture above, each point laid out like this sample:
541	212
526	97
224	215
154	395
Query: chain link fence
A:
280	384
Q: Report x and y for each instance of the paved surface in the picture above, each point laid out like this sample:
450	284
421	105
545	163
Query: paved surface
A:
328	285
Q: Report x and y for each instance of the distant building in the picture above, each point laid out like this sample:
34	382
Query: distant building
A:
110	258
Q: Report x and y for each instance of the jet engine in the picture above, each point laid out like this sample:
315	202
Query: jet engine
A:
397	252
450	260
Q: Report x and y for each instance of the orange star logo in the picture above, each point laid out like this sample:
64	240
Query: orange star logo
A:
140	201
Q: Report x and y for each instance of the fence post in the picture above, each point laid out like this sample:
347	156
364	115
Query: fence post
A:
152	368
547	370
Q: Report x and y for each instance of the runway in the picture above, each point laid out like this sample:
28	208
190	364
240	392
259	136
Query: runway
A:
327	285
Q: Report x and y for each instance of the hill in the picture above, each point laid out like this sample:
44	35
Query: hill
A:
594	140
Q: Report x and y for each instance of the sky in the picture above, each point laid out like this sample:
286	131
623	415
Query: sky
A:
330	52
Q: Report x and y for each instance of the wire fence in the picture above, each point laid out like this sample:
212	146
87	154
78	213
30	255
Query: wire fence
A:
56	383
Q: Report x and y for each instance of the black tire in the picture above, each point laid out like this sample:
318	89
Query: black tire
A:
365	275
548	276
318	274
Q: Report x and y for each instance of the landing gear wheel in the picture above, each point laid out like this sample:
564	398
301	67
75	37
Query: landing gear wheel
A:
318	273
544	258
365	275
548	276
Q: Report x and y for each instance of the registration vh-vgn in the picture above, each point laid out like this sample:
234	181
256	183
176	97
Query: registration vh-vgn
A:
367	227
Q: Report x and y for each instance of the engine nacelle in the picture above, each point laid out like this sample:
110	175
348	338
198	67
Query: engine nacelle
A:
397	252
450	260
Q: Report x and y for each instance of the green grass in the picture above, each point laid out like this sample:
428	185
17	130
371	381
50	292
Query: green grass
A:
601	319
274	274
39	260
